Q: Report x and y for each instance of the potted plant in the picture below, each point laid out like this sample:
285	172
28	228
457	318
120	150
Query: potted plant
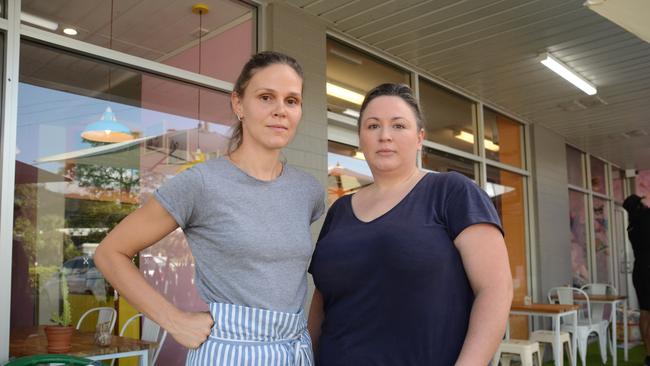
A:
60	335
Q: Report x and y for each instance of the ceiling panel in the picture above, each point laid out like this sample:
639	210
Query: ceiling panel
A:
152	29
490	49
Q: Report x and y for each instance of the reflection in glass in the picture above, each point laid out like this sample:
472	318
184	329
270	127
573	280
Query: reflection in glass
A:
503	138
510	204
575	166
578	222
70	191
164	32
618	179
449	119
351	74
347	171
598	177
441	162
602	246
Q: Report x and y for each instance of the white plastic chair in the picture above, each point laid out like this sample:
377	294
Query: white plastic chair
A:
150	332
545	337
105	314
586	323
602	311
523	348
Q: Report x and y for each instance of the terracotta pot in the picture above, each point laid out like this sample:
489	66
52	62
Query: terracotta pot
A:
58	338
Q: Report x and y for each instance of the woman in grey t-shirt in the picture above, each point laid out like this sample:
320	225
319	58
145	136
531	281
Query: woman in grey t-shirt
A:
246	218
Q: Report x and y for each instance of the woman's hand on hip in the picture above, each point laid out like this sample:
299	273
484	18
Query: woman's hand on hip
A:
191	329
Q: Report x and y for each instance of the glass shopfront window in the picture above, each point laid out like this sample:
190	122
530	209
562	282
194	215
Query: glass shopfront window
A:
504	139
347	171
578	223
93	143
351	74
507	192
618	181
442	162
602	247
575	167
167	33
598	176
449	119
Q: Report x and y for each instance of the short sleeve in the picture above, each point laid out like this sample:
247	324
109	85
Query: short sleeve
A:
319	208
467	204
179	195
326	224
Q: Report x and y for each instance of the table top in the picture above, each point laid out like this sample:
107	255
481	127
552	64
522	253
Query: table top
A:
602	297
31	341
544	308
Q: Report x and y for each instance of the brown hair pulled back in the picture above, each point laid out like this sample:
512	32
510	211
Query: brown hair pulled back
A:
256	63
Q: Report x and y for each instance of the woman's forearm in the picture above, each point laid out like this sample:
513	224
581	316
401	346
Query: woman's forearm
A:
315	320
125	277
141	229
487	325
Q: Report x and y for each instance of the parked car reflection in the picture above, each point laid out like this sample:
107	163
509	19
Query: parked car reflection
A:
82	277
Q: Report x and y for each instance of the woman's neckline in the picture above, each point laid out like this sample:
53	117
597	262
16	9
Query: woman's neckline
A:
244	173
399	203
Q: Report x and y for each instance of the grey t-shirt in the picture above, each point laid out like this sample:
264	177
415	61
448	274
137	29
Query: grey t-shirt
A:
250	238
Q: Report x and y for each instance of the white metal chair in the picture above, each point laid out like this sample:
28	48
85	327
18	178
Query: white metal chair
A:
525	349
150	332
602	311
105	314
586	324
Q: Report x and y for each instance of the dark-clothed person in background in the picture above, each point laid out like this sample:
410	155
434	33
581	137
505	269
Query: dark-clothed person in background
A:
638	231
412	269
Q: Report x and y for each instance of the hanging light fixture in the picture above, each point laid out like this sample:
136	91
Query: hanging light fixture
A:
107	129
198	156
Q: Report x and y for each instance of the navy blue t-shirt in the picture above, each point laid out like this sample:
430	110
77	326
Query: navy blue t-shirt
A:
395	291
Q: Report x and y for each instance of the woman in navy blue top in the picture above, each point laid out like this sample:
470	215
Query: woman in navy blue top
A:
412	269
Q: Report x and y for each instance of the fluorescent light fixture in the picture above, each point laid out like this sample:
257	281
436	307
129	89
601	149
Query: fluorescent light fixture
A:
351	113
490	145
345	94
569	75
41	22
70	31
465	136
468	137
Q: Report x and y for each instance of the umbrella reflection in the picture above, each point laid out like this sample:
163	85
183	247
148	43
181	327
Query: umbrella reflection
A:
342	181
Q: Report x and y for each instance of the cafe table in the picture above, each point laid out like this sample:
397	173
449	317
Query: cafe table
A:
29	341
612	300
555	312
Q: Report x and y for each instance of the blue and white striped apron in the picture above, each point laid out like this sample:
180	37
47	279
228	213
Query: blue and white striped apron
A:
243	336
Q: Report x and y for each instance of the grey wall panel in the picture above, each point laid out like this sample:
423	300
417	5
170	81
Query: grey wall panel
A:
303	36
552	215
